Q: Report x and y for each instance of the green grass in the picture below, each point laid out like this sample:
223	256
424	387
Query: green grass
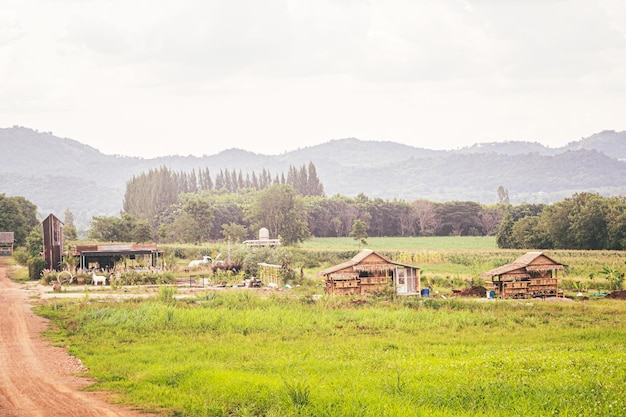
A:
247	354
15	271
404	243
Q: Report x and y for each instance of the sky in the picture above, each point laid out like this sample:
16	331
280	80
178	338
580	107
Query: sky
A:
195	77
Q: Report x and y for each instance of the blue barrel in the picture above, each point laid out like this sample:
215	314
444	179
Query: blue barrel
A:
426	293
491	294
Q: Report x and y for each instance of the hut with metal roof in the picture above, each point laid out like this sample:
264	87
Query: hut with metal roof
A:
145	256
369	272
531	275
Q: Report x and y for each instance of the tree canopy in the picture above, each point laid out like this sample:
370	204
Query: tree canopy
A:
19	216
584	221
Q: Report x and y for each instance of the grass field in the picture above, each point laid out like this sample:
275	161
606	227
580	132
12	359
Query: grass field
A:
464	243
258	353
244	353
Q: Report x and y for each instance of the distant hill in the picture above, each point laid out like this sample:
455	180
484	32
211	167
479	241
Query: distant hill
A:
59	173
609	142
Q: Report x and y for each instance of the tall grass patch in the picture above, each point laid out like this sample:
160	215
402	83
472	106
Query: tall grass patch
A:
245	354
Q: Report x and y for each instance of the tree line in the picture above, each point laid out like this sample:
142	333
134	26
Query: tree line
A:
583	221
293	211
17	215
168	206
151	194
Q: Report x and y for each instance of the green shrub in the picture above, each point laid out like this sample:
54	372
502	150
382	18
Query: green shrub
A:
35	268
47	276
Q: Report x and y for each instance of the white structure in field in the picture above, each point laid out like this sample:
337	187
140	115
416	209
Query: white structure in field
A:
264	239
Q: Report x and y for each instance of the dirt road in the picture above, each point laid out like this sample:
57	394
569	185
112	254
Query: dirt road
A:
36	378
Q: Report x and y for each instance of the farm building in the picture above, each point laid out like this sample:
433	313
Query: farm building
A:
370	272
6	243
531	275
145	256
53	242
263	240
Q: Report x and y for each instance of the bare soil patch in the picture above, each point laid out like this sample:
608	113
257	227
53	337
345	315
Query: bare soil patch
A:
618	295
36	378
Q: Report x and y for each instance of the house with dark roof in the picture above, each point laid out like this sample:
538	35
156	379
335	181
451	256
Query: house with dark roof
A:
533	274
139	255
369	272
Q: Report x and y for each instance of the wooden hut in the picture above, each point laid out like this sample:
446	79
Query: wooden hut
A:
6	243
531	275
370	272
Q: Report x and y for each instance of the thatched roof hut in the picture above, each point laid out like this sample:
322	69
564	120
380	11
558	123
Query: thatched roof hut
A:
531	275
527	265
368	271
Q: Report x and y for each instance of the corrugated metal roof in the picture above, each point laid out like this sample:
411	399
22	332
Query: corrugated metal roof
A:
138	248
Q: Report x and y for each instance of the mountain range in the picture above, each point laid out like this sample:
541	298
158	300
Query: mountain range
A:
60	173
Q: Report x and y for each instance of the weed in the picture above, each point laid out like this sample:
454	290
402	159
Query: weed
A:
299	393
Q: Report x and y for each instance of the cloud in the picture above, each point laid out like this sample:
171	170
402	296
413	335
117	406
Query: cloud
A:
274	75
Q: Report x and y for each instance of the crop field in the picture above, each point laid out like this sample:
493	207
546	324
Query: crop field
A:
464	243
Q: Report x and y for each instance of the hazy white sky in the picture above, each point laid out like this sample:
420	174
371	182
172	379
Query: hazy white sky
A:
155	77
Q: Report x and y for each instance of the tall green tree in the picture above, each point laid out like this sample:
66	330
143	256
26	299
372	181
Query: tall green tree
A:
459	218
228	209
282	211
148	195
201	211
183	229
588	222
359	232
114	229
616	223
141	232
529	233
314	185
234	232
17	215
504	237
69	229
